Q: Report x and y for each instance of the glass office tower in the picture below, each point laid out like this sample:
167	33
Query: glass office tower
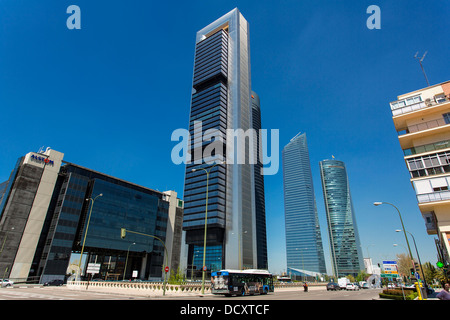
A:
221	100
346	255
260	206
304	247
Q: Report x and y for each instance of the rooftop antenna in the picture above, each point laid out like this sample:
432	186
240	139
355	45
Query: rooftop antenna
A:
420	62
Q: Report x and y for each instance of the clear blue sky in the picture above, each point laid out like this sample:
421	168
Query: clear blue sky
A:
110	95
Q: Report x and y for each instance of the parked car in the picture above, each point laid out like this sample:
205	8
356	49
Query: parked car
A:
391	285
343	282
55	282
6	282
333	286
365	285
352	286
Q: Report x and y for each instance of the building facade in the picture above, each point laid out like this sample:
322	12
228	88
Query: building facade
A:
346	254
47	204
304	248
260	203
221	100
422	121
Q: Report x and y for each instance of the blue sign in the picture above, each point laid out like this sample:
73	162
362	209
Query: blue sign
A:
42	159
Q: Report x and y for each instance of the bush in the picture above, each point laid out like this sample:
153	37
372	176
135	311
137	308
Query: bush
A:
397	294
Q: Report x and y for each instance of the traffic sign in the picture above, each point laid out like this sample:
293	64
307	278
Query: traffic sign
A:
204	268
390	267
166	269
383	275
93	268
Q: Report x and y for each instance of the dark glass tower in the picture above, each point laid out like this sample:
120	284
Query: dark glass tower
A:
304	247
346	255
260	205
221	100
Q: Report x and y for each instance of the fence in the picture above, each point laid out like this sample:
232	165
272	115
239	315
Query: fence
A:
155	288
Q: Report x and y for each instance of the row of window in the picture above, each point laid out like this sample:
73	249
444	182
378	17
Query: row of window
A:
429	165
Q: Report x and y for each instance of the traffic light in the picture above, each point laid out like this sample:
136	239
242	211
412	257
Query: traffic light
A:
412	272
123	233
439	264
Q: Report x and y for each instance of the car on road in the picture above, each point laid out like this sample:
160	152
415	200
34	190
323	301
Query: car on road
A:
352	286
6	282
391	285
55	282
333	286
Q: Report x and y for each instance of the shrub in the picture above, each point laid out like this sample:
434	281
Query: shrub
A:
397	294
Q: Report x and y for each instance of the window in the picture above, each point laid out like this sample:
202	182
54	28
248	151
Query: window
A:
440	98
446	117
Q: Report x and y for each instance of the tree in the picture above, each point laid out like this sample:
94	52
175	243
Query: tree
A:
404	264
177	278
362	276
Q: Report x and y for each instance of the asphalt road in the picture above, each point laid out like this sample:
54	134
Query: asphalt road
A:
63	293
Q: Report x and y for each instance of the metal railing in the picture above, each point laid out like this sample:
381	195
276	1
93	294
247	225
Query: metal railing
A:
416	106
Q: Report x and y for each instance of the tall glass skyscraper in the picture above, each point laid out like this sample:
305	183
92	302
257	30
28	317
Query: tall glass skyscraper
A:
221	100
304	248
346	255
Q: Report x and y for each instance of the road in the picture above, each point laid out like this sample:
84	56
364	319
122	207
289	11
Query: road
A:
63	293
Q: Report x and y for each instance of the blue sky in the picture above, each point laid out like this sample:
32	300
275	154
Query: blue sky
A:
110	95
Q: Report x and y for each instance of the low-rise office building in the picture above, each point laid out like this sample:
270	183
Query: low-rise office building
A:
47	204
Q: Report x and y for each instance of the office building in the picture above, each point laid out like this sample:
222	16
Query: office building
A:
346	254
44	213
304	248
422	121
260	204
221	100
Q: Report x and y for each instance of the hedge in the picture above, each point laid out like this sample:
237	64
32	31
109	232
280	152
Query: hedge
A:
397	294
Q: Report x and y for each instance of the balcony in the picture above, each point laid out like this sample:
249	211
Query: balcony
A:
427	148
422	126
411	104
435	196
430	222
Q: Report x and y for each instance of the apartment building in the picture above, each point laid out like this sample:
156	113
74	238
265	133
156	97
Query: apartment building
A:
422	121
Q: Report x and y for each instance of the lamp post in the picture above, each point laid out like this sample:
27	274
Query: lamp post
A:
85	232
126	260
403	227
418	257
123	233
239	248
206	221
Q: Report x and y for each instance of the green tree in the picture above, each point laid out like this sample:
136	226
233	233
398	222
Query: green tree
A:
362	276
176	278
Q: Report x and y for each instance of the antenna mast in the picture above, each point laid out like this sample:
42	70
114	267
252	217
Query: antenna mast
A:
420	62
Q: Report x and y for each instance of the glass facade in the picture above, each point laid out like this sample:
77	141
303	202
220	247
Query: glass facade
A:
304	248
123	205
260	205
344	238
221	100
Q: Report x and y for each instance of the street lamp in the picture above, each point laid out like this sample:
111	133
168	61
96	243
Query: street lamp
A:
85	232
206	220
403	227
418	256
126	260
123	233
239	248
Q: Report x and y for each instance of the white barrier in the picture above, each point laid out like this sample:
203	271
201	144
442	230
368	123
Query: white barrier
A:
137	288
156	288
